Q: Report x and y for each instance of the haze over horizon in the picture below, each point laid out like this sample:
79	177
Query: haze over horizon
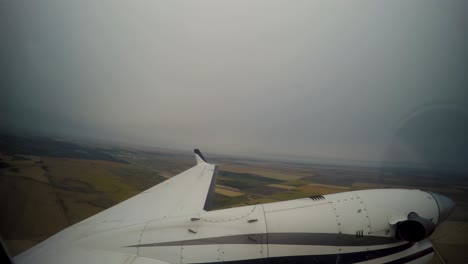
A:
378	81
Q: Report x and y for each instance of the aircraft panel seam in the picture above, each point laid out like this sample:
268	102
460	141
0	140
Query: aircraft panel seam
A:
141	236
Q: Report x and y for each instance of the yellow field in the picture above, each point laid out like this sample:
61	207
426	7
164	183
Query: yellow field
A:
227	187
226	192
281	186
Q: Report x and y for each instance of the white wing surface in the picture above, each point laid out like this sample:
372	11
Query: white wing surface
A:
186	193
103	238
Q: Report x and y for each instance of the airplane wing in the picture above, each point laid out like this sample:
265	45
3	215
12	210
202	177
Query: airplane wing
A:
187	193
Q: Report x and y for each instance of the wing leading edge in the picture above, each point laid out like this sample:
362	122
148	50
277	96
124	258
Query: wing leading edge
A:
191	191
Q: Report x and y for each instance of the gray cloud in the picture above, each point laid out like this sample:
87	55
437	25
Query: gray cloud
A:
304	78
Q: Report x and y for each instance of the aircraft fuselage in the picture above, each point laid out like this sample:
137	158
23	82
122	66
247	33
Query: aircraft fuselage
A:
347	227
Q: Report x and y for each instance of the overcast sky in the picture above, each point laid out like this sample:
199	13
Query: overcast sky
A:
351	80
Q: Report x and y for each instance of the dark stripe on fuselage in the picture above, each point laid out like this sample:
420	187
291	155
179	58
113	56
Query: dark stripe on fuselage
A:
412	257
327	239
330	258
321	239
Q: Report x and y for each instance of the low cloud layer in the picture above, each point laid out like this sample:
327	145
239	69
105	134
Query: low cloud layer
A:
310	79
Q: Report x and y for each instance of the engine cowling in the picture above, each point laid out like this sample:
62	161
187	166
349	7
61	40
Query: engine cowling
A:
415	228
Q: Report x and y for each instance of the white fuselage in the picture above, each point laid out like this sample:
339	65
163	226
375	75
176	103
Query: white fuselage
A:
347	227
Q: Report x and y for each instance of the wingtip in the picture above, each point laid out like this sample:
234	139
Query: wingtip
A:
199	156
